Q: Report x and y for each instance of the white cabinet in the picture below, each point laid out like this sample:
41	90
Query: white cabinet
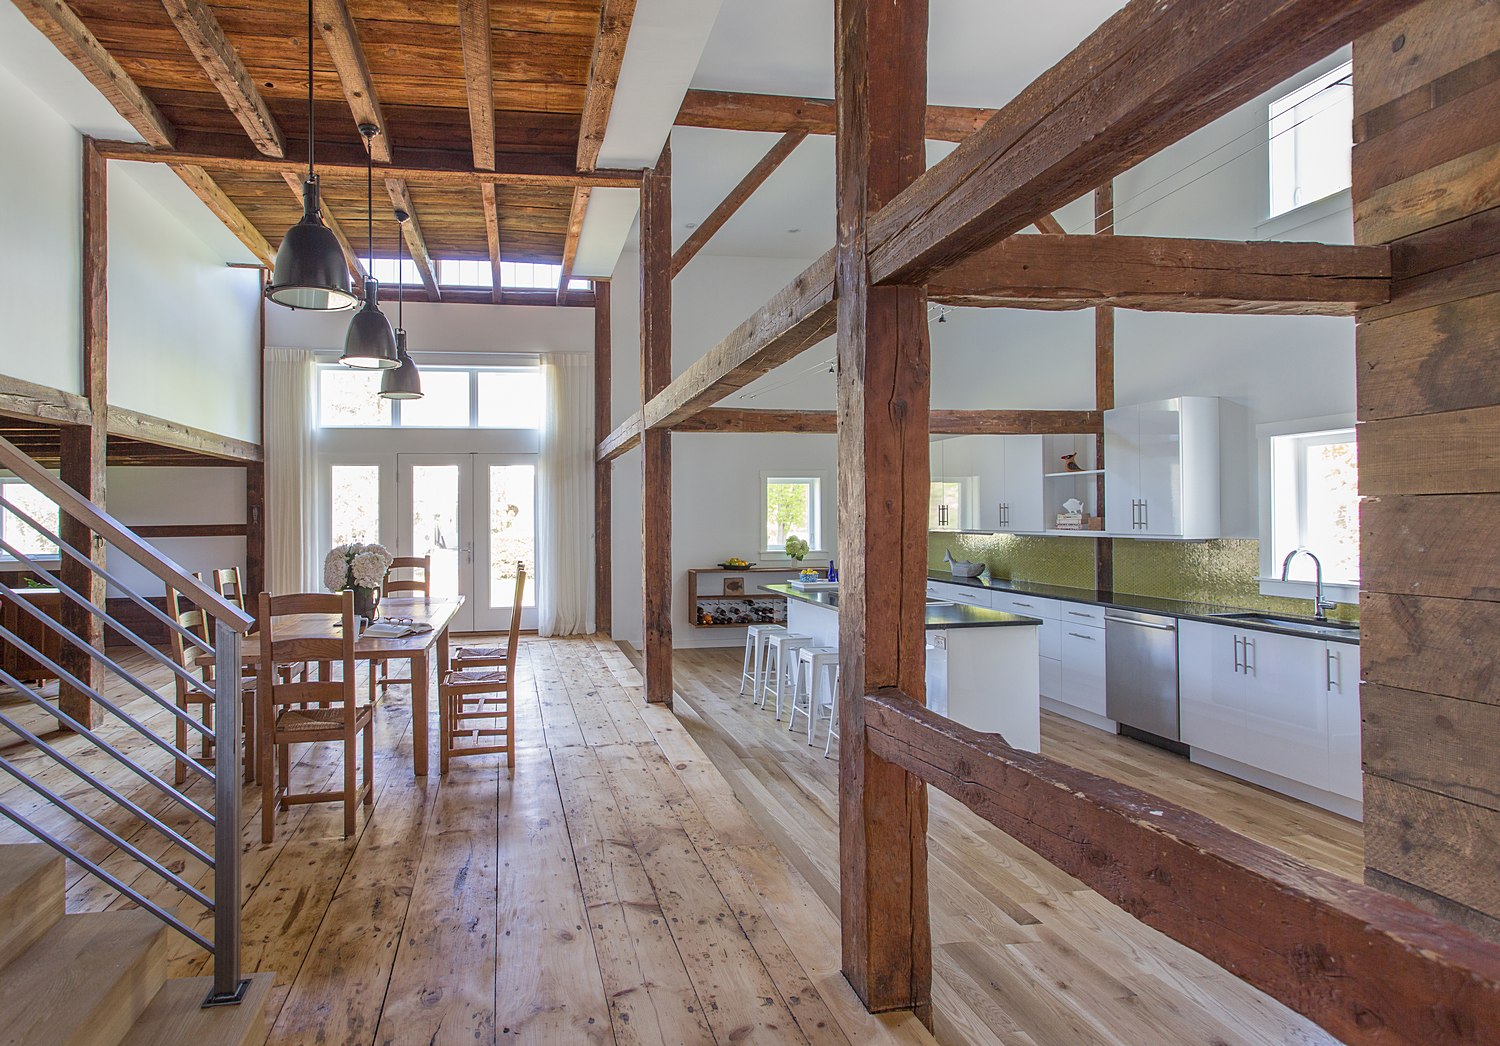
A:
1021	501
1082	683
968	595
1049	636
1161	468
986	483
1285	705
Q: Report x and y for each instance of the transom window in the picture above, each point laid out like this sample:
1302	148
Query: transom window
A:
477	273
790	505
1311	137
452	398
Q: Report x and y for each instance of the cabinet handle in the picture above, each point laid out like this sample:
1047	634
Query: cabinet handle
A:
1145	514
1328	662
1080	635
1081	613
1020	604
1249	649
1237	641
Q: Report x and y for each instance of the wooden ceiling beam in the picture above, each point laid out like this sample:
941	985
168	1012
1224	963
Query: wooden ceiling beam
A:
615	17
570	243
28	401
799	316
625	437
294	181
204	187
740	111
1149	76
479	78
69	35
204	37
333	162
492	237
336	26
145	428
1049	224
411	231
736	198
1168	274
943	422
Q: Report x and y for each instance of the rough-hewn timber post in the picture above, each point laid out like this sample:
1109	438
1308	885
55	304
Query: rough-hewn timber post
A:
603	470
656	444
883	403
1104	384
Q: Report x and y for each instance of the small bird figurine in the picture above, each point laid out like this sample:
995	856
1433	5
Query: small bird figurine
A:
1070	463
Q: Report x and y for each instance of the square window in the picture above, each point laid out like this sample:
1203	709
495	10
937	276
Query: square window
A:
510	399
444	403
1311	138
351	398
1315	504
790	505
17	533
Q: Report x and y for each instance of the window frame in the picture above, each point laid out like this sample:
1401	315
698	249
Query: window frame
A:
1343	589
1332	71
50	559
325	366
815	539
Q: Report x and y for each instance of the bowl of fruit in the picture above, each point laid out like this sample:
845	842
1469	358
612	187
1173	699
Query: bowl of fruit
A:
736	563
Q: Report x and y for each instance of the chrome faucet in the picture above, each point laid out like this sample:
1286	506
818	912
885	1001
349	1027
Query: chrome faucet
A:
1321	605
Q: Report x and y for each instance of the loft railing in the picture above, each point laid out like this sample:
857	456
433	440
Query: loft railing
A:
151	831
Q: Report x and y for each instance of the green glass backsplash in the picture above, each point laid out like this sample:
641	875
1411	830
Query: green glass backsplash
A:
1199	571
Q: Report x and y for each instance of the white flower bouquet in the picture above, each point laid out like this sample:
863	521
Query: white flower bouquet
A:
355	566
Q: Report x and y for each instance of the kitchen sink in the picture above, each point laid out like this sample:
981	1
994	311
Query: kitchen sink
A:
1301	624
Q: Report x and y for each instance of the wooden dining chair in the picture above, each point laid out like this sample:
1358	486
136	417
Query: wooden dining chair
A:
290	631
189	698
470	697
228	584
420	567
490	655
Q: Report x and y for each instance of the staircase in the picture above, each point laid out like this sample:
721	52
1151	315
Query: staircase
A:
100	979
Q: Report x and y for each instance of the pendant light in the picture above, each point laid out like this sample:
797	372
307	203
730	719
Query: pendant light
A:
403	382
370	343
310	271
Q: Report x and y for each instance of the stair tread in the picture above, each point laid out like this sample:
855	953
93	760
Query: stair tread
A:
85	982
32	894
176	1016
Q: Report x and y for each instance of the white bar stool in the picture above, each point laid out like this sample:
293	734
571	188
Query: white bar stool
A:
832	708
783	646
816	660
755	652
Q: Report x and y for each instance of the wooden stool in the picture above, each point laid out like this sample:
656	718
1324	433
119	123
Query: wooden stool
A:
783	645
473	694
817	660
755	651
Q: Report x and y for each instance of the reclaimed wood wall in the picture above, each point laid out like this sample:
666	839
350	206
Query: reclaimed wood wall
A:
1426	179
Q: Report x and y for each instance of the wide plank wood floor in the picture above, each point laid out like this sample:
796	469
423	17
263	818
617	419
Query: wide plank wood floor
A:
644	877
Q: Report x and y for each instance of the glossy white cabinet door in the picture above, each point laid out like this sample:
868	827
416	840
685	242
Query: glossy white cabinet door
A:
1286	720
965	594
1210	700
1122	467
1051	678
1083	667
1160	469
1345	759
1022	495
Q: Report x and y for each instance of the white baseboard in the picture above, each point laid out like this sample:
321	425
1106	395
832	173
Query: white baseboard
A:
1339	804
1078	715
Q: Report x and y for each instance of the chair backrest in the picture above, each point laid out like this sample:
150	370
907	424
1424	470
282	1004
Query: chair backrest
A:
309	626
227	583
422	584
514	639
183	652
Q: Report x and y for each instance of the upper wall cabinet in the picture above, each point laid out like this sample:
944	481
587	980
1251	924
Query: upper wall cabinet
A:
1161	469
986	483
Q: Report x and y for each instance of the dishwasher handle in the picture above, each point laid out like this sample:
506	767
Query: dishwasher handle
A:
1142	624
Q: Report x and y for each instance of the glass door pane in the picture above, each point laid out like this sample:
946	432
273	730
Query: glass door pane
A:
435	496
507	527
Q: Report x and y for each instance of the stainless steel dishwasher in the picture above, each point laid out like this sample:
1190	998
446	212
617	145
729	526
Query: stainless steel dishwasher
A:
1140	672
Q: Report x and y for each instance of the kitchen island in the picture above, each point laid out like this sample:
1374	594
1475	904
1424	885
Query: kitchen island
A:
982	667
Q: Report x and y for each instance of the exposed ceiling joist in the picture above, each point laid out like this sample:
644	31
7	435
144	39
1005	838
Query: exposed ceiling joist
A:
570	245
625	437
479	78
1128	91
201	32
1169	274
492	235
293	180
604	76
739	111
132	424
941	422
1050	225
204	187
336	26
736	198
69	35
411	231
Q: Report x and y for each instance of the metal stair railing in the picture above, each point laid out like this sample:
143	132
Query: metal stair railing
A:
101	827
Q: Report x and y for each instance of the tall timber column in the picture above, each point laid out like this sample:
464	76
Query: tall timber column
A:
656	444
883	402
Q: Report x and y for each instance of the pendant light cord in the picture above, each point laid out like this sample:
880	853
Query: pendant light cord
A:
370	199
310	136
400	276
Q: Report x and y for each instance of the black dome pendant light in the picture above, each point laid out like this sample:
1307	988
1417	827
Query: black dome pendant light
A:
403	382
370	343
310	271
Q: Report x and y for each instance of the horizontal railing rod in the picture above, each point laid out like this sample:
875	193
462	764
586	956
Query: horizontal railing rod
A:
194	851
104	702
109	877
94	568
104	746
55	626
108	833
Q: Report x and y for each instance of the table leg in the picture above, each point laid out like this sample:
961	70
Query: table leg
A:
419	712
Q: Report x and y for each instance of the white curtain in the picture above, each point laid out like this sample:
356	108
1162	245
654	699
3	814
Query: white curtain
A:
565	506
288	441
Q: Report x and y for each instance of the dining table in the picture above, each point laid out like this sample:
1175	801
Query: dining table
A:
417	649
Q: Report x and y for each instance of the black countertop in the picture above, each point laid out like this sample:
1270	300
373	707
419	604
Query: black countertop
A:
1210	612
953	615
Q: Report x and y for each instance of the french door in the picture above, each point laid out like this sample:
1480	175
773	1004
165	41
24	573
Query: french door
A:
475	515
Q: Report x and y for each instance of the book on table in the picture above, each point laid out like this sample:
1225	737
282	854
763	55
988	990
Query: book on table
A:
395	629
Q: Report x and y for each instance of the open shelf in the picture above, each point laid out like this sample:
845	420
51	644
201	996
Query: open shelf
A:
1065	475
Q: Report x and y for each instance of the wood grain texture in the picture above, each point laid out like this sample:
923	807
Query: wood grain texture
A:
603	471
1454	452
492	240
720	215
626	436
1436	536
656	444
576	213
221	64
1435	842
1128	91
1438	744
880	73
1430	360
613	32
132	424
742	111
411	232
1364	965
1168	274
1431	644
20	398
479	78
1104	387
942	422
341	38
224	209
1419	47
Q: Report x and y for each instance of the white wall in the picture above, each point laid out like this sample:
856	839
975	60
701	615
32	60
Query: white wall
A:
446	327
42	228
144	496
